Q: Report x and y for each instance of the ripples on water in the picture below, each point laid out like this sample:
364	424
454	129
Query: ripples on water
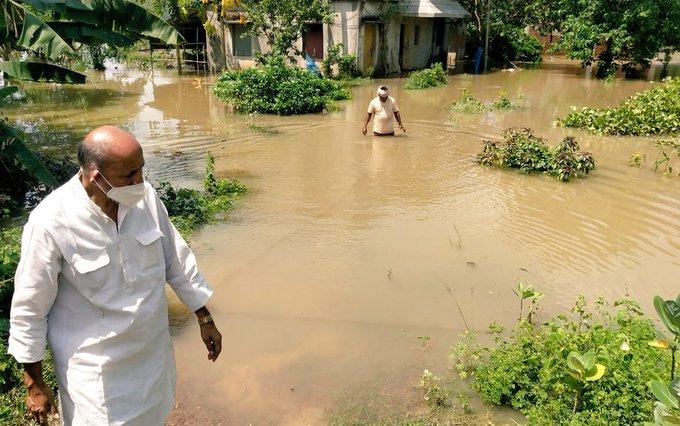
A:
339	254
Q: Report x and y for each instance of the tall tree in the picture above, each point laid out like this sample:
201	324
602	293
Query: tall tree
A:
283	22
611	32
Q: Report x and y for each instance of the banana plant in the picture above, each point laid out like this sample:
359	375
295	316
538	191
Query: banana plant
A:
527	292
667	405
584	369
669	312
93	22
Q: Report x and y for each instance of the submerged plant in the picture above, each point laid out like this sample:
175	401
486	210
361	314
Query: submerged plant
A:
467	103
502	103
527	293
637	159
530	154
436	395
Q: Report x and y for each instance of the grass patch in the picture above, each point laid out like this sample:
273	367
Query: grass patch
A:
275	88
434	76
530	154
651	112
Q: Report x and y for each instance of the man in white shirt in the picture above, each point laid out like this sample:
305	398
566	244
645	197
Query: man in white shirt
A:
384	109
95	257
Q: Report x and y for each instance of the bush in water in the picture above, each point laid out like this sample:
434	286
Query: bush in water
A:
431	77
467	103
524	151
275	88
588	369
653	111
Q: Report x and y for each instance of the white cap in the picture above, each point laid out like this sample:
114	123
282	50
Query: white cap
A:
383	91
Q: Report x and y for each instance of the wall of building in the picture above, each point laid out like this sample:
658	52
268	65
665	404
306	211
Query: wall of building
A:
347	28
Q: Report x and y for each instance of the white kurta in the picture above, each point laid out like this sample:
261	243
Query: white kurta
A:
97	293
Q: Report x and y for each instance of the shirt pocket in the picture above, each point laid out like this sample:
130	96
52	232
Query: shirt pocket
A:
151	249
92	270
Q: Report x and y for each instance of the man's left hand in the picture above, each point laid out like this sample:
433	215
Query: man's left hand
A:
402	128
212	339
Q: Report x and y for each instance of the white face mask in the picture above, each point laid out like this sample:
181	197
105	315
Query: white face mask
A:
126	195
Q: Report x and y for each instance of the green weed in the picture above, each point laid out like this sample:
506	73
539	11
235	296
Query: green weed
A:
434	76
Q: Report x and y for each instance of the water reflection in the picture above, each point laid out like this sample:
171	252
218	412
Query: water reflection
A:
338	257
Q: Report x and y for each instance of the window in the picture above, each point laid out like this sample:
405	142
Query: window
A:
242	44
416	35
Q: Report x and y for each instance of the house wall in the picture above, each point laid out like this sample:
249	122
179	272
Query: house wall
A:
348	29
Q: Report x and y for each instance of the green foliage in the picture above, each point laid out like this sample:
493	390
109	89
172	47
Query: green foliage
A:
347	64
467	103
663	158
667	406
507	39
436	395
283	22
541	372
502	103
621	31
527	293
636	160
434	76
10	249
653	111
530	154
274	88
189	209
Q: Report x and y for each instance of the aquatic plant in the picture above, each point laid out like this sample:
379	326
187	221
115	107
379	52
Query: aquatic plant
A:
530	154
275	88
434	76
663	158
529	293
467	103
502	103
653	111
636	160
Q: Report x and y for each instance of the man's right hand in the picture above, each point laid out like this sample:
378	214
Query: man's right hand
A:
39	401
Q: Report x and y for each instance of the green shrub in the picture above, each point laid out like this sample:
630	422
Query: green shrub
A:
524	47
275	88
431	77
653	111
532	369
530	154
467	103
347	64
189	209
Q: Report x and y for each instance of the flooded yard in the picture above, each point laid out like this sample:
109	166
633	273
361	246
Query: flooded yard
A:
344	251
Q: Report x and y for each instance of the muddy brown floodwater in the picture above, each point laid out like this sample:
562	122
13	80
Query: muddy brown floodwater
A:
339	257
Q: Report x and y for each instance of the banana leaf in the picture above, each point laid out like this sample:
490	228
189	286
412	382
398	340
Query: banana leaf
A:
115	15
90	34
7	91
37	71
13	149
37	36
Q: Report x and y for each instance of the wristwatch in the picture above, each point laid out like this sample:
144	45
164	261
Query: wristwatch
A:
206	319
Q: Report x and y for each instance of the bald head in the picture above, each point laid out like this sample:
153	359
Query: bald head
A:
110	157
105	145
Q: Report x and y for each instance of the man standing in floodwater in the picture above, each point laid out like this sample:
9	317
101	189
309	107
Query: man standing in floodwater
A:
384	109
95	257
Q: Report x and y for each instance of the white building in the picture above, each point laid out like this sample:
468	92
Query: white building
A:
420	33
